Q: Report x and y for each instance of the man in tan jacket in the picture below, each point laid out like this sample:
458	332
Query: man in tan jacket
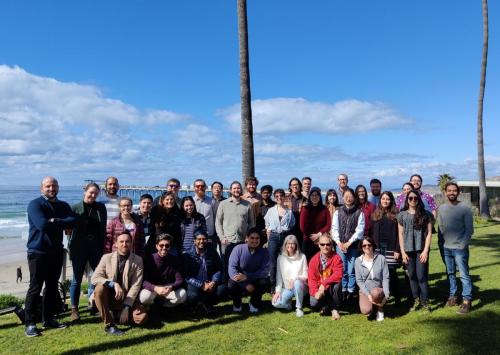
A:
118	280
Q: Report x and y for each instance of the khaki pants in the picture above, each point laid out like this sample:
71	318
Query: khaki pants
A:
173	299
109	307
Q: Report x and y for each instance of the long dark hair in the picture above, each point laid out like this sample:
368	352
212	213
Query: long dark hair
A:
183	211
360	187
390	212
421	217
332	192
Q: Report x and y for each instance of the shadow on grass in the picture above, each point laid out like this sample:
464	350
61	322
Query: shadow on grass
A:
124	342
9	325
474	333
491	241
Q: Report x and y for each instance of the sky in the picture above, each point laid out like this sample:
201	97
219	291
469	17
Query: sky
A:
148	90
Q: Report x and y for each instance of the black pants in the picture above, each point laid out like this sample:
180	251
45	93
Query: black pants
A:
331	299
44	268
225	260
195	295
238	288
394	283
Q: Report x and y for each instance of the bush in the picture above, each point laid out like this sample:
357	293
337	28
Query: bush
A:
10	301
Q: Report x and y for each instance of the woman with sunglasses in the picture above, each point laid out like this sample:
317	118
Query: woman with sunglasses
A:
315	221
332	201
291	276
323	278
166	218
400	201
415	233
372	277
386	237
86	242
347	230
129	221
279	221
192	223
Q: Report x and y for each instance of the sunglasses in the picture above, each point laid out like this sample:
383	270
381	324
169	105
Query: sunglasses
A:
325	244
367	245
199	186
163	246
413	198
173	186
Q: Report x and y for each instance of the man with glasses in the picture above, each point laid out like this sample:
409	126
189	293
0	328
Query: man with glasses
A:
173	186
204	205
428	201
162	278
343	181
145	206
324	276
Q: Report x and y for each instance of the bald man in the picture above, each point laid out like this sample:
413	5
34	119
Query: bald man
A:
48	217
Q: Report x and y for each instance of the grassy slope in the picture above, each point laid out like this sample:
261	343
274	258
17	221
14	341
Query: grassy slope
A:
276	332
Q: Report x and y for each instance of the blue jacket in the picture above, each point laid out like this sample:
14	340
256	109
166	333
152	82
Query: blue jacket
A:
192	263
47	237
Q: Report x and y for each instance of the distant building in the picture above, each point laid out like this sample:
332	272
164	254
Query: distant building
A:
471	187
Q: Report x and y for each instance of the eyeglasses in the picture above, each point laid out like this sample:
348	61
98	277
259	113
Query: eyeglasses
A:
164	246
325	244
367	245
199	186
412	198
173	186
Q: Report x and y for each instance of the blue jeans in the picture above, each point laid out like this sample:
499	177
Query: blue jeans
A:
78	261
458	258
418	274
274	247
348	259
285	300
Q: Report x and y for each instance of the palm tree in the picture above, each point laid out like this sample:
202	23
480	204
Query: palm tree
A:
247	161
484	209
443	179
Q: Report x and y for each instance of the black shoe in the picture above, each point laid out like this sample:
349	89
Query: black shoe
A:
32	331
54	324
92	309
113	330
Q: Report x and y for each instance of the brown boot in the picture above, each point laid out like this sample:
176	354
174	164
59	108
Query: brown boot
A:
75	315
464	307
451	302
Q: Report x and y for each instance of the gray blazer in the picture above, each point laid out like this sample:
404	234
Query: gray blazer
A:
380	275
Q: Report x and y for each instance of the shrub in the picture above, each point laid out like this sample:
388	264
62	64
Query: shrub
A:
10	301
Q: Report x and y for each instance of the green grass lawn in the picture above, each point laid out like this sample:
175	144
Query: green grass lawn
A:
272	331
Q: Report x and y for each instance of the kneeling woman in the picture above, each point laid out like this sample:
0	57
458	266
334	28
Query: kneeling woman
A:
291	276
372	277
324	277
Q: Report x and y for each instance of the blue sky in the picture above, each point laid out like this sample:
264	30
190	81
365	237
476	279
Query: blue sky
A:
150	90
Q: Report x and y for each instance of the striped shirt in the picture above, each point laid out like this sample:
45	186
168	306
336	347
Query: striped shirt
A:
112	208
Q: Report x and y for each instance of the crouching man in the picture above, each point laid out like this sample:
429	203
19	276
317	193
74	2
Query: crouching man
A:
162	277
118	280
203	270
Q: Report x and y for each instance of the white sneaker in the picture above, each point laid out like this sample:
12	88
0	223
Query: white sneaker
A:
380	316
237	309
253	309
299	313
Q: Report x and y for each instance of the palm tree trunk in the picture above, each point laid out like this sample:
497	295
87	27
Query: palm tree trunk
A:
484	209
247	161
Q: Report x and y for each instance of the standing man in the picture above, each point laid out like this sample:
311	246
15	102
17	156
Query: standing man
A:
145	206
456	229
111	201
234	218
118	280
306	186
251	195
428	200
376	189
343	181
173	186
48	217
205	206
217	197
264	205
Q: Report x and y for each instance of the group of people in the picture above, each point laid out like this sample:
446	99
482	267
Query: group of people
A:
199	250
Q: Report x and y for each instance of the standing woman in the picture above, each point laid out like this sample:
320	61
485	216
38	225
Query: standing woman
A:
332	201
415	233
366	207
386	237
347	230
400	201
291	276
166	218
279	222
129	221
192	223
315	220
294	201
86	242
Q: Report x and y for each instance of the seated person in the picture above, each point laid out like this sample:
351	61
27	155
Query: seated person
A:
372	277
117	300
248	271
324	277
291	276
162	279
203	272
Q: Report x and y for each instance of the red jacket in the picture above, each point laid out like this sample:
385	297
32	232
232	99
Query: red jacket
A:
330	275
367	210
116	227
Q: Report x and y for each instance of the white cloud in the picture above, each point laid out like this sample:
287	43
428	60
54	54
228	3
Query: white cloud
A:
294	115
